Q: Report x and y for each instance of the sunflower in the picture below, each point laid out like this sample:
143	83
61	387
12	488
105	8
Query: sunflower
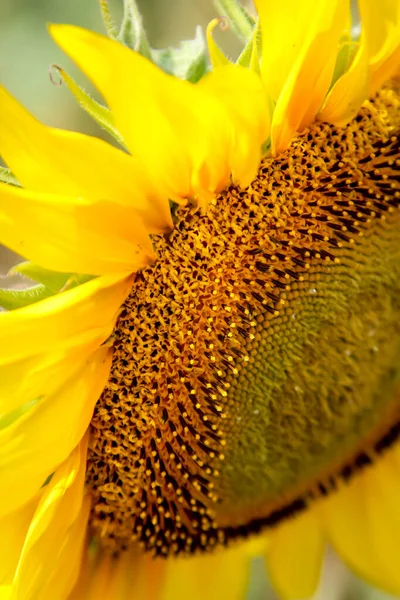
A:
207	368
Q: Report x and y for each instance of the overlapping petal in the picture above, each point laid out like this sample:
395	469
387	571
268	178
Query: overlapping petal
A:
300	43
182	133
54	348
73	234
223	574
26	381
34	445
129	575
13	530
158	115
349	92
294	556
64	321
53	545
381	23
244	95
363	522
61	162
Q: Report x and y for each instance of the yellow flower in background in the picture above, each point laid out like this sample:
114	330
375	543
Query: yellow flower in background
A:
213	347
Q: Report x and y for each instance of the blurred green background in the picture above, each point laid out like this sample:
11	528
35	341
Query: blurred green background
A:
26	53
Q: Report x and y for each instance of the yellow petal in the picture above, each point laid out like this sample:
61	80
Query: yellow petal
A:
72	164
181	135
212	576
381	23
27	380
63	321
72	234
294	556
288	29
243	93
72	547
14	528
32	447
129	576
217	57
53	530
300	43
349	92
363	522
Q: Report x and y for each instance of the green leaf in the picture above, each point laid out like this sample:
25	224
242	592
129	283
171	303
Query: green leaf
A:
50	279
77	279
189	61
12	299
99	113
7	177
253	45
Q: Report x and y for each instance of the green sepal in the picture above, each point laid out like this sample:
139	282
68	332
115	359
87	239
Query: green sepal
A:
12	299
8	419
252	48
52	280
99	113
77	279
111	28
240	21
189	61
345	56
132	32
7	177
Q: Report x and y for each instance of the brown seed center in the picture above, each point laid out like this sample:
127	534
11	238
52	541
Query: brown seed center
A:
262	344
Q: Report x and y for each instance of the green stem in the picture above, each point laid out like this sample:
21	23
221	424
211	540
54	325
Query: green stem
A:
108	20
240	21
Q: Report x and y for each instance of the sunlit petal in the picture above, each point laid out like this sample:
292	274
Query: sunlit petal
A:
73	234
297	69
363	522
294	556
34	445
72	164
84	313
55	534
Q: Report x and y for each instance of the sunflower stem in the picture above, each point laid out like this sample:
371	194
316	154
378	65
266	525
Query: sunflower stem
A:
132	32
241	22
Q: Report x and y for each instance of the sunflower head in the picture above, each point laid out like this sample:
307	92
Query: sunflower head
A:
212	346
